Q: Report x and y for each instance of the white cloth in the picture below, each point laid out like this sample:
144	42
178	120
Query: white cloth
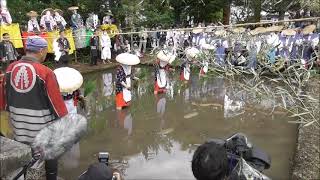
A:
186	72
128	123
205	66
127	93
106	45
72	109
56	50
161	106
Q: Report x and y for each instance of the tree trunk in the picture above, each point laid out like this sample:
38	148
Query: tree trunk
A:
257	10
226	12
281	14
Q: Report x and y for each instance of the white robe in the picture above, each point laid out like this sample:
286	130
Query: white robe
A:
162	76
33	23
106	45
58	19
5	14
126	92
47	18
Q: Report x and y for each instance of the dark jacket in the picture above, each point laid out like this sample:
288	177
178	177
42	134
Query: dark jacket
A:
4	52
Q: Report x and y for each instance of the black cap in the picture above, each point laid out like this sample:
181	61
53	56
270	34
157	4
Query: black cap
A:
98	171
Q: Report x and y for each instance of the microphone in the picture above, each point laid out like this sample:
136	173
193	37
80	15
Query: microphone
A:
59	137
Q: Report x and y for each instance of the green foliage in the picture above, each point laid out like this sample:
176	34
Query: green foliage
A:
89	87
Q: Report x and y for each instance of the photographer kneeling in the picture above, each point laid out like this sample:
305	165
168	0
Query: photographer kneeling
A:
232	159
101	170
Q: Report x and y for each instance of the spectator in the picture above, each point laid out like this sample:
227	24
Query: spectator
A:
95	46
64	48
8	52
143	41
105	47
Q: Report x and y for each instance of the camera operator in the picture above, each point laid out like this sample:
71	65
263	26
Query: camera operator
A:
101	170
232	159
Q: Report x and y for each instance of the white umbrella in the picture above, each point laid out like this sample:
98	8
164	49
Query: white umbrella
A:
68	79
128	59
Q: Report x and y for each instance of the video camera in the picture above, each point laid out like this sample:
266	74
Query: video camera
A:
244	159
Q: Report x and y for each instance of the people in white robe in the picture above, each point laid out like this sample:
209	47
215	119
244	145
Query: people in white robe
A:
5	16
143	40
47	21
33	25
59	20
105	47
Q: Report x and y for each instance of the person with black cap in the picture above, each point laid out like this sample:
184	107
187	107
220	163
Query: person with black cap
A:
32	97
99	171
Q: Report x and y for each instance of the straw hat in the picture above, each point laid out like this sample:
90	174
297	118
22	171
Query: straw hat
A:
258	30
198	30
309	29
274	29
209	30
44	12
128	59
32	14
208	47
59	11
192	53
221	32
239	30
73	8
166	57
68	79
289	32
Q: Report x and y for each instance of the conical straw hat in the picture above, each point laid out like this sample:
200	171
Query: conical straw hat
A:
258	30
289	32
197	30
73	8
32	14
68	79
192	53
220	32
166	57
44	12
274	29
128	59
239	30
309	29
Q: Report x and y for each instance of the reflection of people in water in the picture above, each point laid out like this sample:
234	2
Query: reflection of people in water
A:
107	84
161	109
125	120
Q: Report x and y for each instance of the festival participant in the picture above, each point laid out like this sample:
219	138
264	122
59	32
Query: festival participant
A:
143	41
310	40
191	54
161	68
76	19
69	80
105	47
285	44
95	47
272	41
60	22
8	53
207	49
64	48
47	22
92	22
5	17
32	97
107	19
123	79
33	25
221	46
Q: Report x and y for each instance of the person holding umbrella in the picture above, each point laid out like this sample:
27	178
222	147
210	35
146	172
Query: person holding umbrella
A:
123	79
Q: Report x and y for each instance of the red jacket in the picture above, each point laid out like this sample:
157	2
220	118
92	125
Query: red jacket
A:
32	97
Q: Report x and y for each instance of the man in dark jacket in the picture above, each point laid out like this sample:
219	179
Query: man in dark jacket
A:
95	47
32	96
8	52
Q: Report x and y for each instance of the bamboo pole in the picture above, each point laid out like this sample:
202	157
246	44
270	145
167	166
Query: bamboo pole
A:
190	29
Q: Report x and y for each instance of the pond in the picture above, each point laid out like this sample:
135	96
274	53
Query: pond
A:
155	138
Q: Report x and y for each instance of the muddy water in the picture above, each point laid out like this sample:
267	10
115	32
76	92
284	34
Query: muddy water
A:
156	137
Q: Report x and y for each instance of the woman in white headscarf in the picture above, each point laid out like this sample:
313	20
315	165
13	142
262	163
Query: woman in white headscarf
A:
59	20
47	21
33	25
123	79
161	67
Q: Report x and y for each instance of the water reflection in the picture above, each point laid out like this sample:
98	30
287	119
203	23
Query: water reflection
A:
153	140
